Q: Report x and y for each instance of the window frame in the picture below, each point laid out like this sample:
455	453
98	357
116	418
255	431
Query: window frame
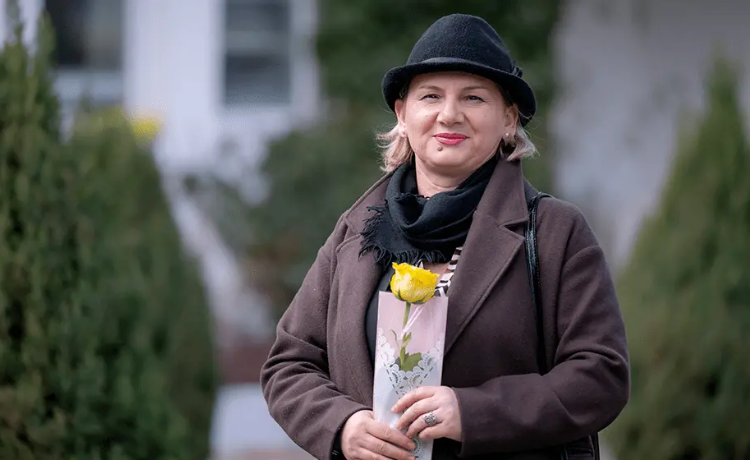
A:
100	87
255	48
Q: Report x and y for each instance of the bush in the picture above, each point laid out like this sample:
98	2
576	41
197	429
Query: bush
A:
106	338
686	298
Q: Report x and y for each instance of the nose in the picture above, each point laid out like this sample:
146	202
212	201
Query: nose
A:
450	112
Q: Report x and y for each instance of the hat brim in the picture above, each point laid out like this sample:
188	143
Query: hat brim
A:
517	89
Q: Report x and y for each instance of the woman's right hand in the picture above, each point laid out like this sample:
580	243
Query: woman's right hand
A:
364	438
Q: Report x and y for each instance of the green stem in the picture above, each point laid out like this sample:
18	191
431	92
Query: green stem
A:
406	313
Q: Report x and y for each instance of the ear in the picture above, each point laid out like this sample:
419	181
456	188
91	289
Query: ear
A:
510	120
400	108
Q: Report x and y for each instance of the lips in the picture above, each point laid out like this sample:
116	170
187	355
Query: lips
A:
450	138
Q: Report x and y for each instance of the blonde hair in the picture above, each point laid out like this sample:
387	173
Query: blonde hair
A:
396	149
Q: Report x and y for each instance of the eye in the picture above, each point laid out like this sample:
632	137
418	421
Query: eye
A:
429	96
475	98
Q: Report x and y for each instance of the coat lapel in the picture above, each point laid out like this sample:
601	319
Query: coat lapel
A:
490	247
483	269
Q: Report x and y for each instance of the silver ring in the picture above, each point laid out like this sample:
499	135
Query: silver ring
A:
430	419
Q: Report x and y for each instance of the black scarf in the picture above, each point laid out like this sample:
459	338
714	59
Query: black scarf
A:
411	228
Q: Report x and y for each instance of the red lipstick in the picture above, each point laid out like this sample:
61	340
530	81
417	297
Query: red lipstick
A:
450	138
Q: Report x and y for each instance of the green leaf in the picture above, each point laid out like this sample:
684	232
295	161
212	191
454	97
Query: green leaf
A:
409	361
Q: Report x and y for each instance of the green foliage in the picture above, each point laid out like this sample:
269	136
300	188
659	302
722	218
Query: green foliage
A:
105	339
686	298
295	220
317	174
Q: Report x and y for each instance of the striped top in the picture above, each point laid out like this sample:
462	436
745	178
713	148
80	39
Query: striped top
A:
441	290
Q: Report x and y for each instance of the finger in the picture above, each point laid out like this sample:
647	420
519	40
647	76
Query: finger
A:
420	424
415	411
385	433
435	432
381	449
412	397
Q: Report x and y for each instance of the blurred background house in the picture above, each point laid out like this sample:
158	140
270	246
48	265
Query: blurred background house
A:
222	76
227	76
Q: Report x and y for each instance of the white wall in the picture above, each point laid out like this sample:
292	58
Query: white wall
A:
172	69
627	69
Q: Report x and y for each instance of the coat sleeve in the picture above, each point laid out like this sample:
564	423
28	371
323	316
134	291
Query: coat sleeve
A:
589	384
295	379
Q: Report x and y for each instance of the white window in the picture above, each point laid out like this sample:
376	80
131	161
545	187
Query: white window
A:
257	60
88	50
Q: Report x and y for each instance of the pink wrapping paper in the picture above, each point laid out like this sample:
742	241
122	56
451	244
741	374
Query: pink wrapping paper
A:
423	366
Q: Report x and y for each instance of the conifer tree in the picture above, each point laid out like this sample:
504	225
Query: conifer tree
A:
686	298
105	334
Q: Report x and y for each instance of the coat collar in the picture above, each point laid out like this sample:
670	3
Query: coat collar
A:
503	200
359	212
502	206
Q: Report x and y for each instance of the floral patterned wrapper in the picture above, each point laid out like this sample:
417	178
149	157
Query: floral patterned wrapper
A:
407	356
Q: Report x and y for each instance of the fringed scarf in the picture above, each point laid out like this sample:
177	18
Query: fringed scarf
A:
411	228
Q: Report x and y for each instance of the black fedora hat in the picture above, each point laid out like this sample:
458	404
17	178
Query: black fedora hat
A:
466	43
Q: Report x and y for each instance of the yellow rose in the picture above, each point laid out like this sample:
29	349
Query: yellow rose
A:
413	284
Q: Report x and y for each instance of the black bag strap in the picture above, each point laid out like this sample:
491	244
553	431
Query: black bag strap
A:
532	262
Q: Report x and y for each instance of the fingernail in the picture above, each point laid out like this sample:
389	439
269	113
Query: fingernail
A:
412	446
393	409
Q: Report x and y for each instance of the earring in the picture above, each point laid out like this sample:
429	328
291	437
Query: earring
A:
507	144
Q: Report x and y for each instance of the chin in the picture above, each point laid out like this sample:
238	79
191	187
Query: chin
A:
447	159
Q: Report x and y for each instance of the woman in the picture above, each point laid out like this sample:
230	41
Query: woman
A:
454	200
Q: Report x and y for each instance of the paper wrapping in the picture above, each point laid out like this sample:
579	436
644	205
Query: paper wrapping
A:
400	369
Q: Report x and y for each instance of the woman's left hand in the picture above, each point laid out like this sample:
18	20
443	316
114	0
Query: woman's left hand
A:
441	402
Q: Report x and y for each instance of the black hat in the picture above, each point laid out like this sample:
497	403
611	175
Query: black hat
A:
464	43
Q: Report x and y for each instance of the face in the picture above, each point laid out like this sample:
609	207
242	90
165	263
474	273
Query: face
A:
454	121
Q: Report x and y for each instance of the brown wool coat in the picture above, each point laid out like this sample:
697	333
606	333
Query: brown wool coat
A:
319	372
